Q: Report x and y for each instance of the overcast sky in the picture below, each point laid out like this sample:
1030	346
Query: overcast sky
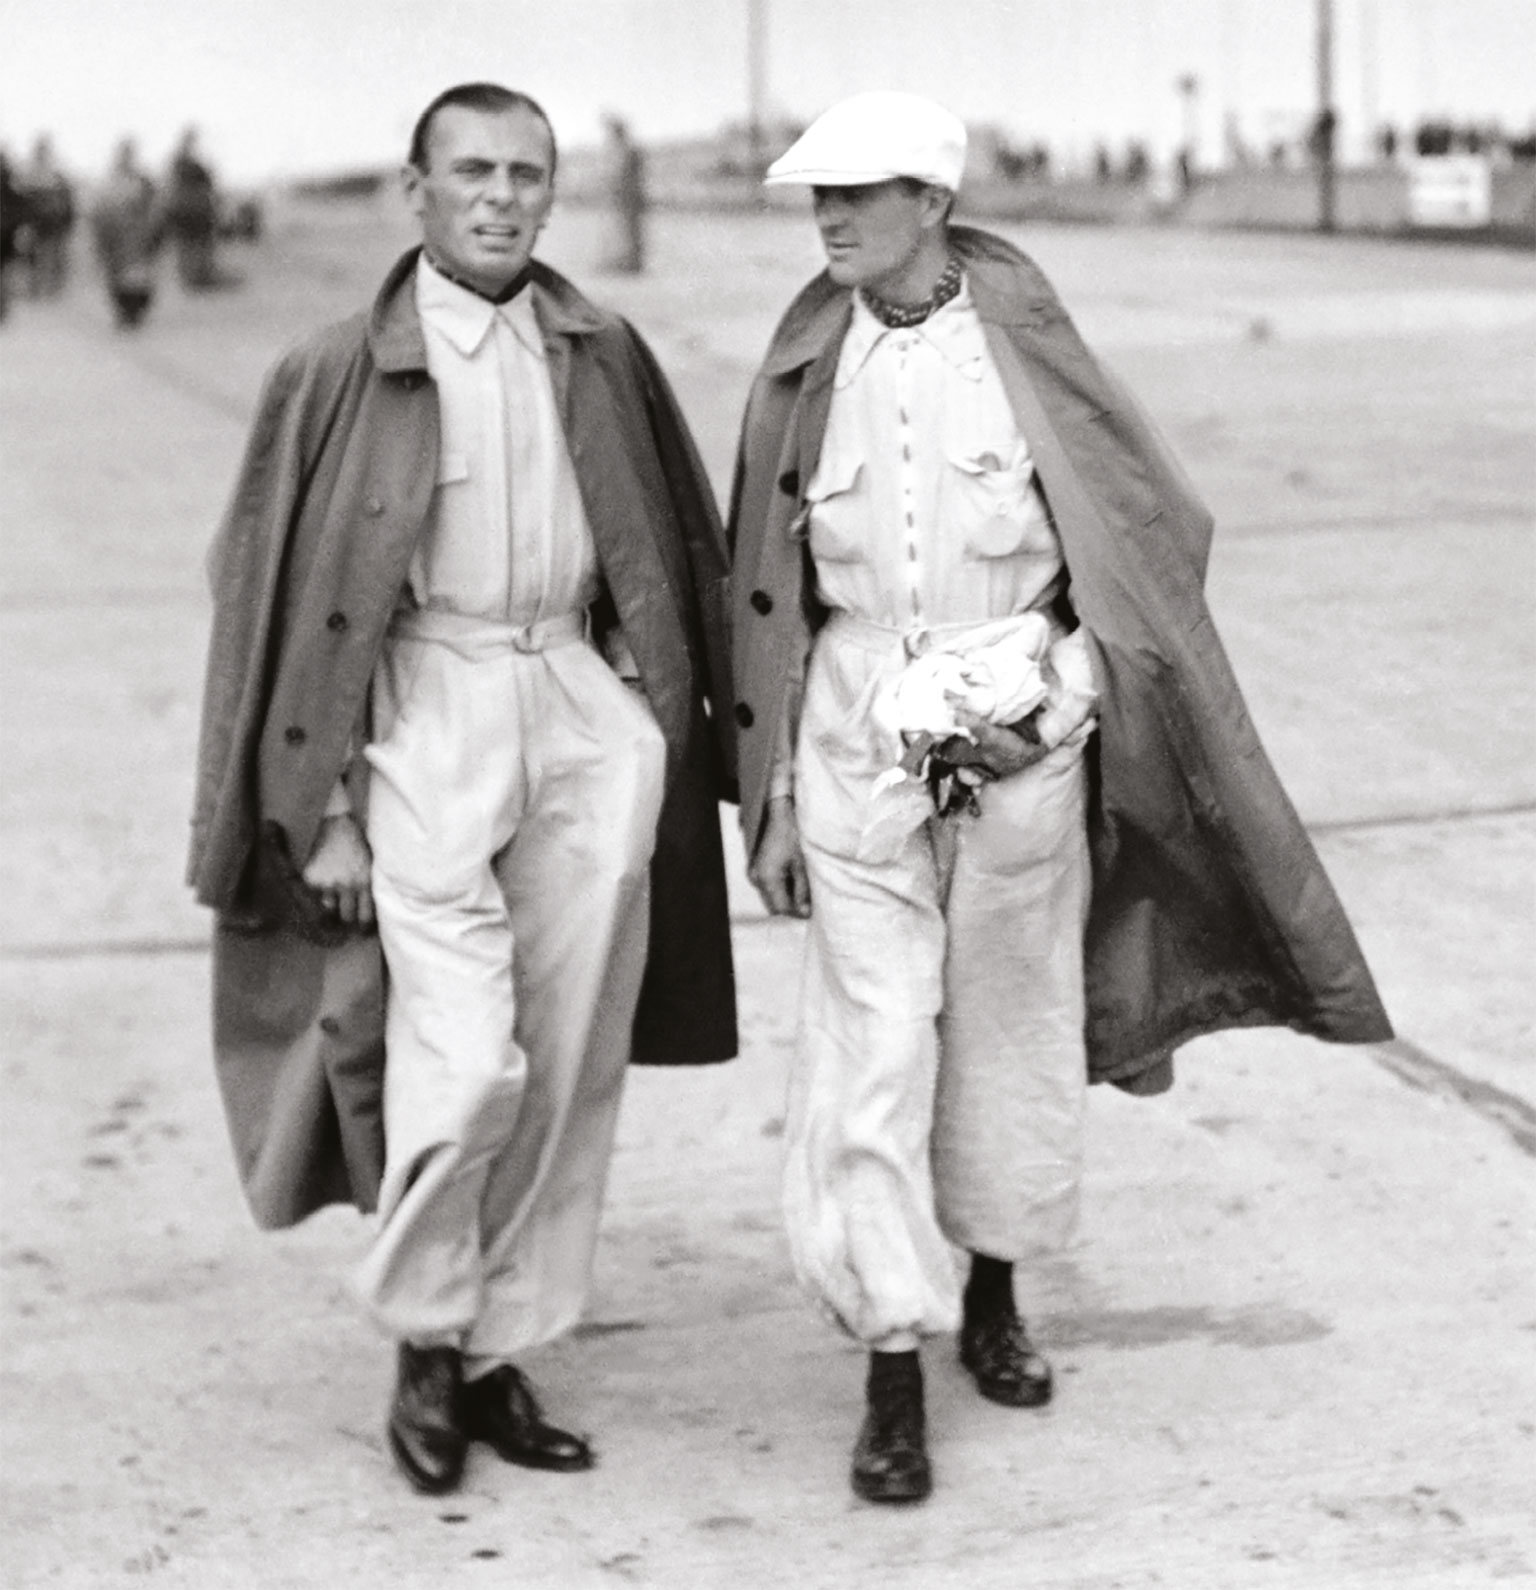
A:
282	86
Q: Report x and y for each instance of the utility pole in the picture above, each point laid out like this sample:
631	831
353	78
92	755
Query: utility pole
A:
1189	93
757	82
1370	83
1327	118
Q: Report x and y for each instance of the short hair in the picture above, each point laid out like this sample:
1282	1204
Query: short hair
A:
490	98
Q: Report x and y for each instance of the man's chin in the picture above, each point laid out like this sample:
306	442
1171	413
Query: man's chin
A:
495	268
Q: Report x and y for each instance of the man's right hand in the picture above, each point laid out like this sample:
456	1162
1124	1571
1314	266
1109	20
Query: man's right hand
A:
778	868
339	869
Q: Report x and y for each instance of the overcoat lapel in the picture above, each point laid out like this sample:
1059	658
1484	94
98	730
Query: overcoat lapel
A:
623	515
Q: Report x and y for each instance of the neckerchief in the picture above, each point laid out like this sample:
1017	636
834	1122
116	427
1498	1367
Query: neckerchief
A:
899	315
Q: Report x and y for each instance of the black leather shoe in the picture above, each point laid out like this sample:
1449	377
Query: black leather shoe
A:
500	1410
426	1431
890	1458
999	1354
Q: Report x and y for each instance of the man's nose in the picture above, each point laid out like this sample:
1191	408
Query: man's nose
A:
500	188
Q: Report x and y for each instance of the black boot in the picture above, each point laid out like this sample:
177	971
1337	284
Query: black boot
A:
890	1459
426	1429
500	1410
994	1344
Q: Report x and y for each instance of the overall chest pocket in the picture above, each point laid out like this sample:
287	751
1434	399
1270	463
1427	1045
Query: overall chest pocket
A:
835	510
992	504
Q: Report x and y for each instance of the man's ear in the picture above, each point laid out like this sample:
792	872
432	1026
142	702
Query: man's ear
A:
410	186
937	203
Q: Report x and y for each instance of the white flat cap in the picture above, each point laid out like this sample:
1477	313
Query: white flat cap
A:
872	138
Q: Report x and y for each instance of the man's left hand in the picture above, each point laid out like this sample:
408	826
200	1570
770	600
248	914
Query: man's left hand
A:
999	751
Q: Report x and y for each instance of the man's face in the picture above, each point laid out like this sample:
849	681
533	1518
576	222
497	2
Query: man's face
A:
871	232
487	188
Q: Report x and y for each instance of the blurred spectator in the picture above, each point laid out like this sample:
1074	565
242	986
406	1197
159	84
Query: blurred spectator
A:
1017	165
627	195
1433	138
1322	135
50	210
191	215
128	232
1103	171
13	226
1138	164
1386	144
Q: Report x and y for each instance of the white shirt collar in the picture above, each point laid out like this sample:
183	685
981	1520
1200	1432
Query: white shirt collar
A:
464	317
953	330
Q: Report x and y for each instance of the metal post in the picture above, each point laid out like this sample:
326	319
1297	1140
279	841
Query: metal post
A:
1327	118
757	82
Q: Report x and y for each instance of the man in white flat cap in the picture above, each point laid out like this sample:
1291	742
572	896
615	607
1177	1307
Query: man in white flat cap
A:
991	746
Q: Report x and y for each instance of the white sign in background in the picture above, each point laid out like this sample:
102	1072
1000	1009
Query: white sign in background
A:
1450	190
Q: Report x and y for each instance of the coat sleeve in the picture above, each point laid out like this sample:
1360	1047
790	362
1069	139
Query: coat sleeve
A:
704	543
244	568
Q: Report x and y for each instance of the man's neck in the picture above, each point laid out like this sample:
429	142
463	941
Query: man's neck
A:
916	281
492	295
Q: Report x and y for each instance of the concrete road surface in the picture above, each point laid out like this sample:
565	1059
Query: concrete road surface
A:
1296	1341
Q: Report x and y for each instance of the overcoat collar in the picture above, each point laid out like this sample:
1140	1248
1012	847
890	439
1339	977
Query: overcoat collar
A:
394	326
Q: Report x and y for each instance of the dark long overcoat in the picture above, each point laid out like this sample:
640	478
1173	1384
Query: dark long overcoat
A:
307	568
1210	908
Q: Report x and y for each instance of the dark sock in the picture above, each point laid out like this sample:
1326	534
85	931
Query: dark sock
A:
989	1290
892	1372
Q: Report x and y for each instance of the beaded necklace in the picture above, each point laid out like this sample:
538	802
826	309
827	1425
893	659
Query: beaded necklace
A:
901	315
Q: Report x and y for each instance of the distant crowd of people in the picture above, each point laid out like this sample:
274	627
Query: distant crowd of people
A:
1133	164
132	220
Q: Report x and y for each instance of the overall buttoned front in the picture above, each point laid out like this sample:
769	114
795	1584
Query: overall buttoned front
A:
922	508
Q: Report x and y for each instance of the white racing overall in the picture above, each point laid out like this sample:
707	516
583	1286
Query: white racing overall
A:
515	788
940	1078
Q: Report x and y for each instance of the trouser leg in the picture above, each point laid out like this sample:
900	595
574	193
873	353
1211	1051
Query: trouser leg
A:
858	1194
447	790
1007	1143
512	813
576	882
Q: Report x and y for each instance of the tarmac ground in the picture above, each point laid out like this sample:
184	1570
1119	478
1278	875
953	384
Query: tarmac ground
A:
1296	1338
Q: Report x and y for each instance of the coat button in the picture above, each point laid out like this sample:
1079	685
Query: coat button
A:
337	621
294	735
761	602
374	506
744	714
329	1026
789	483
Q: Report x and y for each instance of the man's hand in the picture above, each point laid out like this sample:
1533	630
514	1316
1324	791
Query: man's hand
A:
339	868
778	869
999	751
